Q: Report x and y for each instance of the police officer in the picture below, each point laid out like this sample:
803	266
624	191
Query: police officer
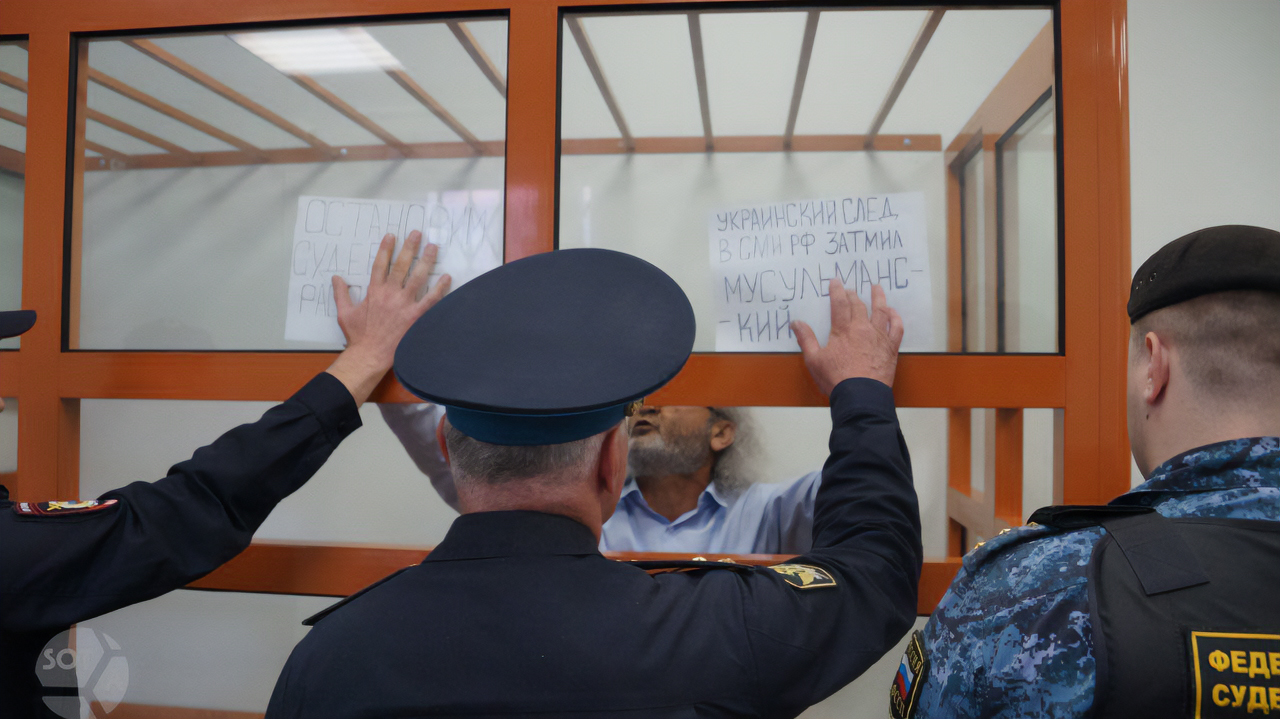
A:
67	561
516	612
1164	602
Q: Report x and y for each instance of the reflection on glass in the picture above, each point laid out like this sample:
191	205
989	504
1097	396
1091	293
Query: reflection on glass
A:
13	147
671	121
1029	231
227	177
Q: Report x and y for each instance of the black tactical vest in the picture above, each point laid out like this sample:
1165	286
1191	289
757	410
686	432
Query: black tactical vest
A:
1186	613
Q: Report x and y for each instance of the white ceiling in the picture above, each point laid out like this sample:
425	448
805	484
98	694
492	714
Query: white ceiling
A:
751	60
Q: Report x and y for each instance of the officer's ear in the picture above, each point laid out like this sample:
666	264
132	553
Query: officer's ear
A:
611	470
444	446
1157	375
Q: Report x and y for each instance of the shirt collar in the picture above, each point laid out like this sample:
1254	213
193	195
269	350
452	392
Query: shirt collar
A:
488	535
1237	463
631	492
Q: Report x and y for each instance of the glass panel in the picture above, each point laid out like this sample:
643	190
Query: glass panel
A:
730	148
204	650
13	148
1029	231
228	176
794	442
979	290
1040	464
122	441
8	438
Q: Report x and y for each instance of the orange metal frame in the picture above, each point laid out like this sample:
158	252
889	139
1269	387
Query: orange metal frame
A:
1087	380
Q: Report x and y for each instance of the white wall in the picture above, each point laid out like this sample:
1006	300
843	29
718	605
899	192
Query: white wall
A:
1204	118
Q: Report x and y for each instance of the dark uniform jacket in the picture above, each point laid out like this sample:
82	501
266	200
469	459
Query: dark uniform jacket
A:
518	613
64	564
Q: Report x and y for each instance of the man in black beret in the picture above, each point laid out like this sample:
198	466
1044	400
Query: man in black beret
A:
516	612
66	561
1165	602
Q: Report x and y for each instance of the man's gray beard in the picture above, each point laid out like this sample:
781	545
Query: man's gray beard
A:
679	455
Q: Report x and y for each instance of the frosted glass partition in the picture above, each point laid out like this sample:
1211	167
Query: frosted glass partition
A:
13	147
229	176
742	152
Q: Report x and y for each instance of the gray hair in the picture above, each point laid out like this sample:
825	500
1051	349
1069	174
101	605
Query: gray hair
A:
735	467
476	461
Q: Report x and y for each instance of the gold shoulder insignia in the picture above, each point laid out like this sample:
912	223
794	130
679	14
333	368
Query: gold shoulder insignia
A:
804	576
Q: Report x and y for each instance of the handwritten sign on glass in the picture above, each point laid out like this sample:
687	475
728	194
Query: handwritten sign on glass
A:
340	236
771	263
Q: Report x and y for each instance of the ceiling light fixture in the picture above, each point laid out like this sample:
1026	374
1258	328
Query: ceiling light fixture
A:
321	51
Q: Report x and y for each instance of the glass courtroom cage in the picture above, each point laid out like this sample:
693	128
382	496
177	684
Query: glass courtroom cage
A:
168	189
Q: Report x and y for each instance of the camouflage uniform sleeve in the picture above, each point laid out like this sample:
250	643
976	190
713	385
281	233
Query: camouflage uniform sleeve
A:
1012	636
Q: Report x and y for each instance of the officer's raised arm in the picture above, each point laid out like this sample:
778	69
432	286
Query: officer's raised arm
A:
64	562
854	594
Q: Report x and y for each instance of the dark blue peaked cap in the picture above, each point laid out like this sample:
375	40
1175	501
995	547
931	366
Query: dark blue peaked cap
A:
549	349
15	322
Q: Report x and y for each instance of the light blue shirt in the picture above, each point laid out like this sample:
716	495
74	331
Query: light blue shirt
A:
764	518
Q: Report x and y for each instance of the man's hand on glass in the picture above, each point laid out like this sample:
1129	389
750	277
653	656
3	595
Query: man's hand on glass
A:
859	346
393	302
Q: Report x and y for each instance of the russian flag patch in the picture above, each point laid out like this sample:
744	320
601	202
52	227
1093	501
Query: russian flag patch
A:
905	692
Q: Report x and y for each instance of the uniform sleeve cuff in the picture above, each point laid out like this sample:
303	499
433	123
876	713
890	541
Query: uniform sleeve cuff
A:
858	395
331	403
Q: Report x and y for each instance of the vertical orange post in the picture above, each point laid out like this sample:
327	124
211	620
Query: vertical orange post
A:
533	65
1008	466
1095	139
48	459
1115	250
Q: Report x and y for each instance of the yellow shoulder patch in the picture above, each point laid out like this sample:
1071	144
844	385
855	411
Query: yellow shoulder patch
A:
804	576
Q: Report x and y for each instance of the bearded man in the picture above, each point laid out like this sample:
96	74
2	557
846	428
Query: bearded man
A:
690	485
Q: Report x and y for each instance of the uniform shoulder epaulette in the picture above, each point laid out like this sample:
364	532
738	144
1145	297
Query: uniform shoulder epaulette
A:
1005	539
311	620
1079	516
1044	522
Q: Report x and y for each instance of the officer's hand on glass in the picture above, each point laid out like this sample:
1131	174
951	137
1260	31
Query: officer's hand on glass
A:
393	301
859	345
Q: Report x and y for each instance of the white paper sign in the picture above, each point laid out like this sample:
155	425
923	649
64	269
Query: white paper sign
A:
340	236
771	263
